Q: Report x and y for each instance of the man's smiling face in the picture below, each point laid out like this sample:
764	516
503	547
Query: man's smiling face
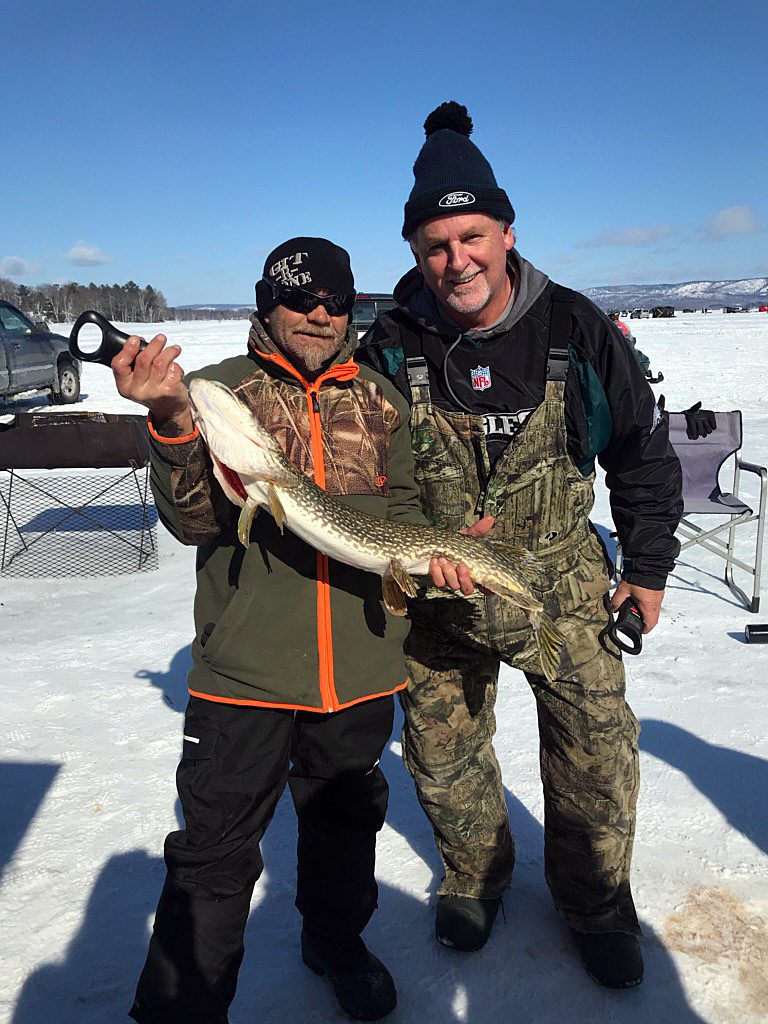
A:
309	340
463	259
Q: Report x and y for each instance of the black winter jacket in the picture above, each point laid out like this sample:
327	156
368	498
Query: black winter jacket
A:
610	410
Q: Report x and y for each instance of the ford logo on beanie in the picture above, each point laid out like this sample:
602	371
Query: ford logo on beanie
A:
451	174
456	199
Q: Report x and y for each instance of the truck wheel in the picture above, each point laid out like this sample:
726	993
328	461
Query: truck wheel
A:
68	390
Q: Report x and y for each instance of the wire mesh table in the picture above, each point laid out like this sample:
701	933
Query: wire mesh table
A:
60	522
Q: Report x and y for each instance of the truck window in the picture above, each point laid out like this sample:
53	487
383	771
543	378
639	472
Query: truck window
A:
13	321
364	312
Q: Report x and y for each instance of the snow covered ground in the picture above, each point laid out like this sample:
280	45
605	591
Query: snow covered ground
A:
94	692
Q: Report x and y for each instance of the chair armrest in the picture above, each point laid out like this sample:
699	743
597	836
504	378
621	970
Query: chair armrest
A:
750	467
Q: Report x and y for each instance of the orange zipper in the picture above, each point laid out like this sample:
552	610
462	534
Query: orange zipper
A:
340	372
324	635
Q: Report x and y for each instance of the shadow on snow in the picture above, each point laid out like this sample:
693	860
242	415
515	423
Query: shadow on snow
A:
23	786
736	783
528	972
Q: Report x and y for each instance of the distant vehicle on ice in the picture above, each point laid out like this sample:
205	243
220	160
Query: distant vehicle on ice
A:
641	357
369	305
34	359
763	309
735	309
689	310
639	314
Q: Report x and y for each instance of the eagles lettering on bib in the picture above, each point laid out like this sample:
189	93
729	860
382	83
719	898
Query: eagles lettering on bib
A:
506	424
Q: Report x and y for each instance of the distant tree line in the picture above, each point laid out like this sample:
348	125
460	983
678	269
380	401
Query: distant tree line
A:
188	313
62	303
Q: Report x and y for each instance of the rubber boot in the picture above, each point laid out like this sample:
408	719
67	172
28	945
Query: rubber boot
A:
463	922
363	986
612	959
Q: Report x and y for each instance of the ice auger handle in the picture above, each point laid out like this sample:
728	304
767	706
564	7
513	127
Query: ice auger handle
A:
112	340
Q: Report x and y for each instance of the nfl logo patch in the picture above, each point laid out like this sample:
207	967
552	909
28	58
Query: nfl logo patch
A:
481	378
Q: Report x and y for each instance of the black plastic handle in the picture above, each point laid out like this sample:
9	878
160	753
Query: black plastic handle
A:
628	624
112	340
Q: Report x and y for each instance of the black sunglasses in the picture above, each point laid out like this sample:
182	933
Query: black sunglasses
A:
302	301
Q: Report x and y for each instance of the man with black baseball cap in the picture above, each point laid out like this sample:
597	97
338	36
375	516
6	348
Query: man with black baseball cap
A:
294	660
516	386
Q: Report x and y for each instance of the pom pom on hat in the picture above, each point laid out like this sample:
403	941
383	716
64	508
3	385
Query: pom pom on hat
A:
450	115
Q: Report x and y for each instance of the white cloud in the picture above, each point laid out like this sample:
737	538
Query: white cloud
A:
635	236
85	255
16	266
733	220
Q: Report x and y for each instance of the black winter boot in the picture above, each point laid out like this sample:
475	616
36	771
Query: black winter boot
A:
464	922
363	986
612	959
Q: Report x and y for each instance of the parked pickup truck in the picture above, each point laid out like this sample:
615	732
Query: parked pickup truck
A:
34	359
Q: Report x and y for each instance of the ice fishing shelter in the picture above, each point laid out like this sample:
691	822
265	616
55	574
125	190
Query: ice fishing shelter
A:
58	520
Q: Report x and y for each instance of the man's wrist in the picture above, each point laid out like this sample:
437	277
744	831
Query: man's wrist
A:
173	424
639	579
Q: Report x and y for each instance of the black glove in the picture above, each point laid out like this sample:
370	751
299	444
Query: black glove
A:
699	422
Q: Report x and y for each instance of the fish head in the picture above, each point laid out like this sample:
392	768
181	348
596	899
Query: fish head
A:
232	433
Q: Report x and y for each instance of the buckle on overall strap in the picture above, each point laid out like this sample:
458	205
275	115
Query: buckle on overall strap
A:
559	333
418	374
557	364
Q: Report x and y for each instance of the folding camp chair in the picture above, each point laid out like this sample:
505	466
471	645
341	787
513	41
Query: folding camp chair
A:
701	460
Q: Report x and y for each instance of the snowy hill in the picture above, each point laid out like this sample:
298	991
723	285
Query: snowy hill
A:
690	294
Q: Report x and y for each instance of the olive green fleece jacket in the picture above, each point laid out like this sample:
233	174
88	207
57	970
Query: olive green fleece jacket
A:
277	624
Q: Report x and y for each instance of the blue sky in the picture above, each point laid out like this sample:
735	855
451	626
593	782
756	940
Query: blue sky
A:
177	143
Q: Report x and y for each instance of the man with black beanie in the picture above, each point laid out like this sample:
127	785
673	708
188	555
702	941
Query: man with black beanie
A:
294	661
516	386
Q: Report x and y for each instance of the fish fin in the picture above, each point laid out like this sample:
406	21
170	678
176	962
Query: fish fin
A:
523	556
395	584
245	521
392	595
519	598
286	480
402	577
276	506
549	642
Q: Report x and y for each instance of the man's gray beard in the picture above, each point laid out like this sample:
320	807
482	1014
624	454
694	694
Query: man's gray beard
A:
475	305
311	357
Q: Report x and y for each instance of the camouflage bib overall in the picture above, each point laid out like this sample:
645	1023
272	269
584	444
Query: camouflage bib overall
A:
588	734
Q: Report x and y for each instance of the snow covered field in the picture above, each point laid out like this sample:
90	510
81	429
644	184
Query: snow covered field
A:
94	691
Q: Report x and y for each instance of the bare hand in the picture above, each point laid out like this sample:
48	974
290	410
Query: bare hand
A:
154	381
457	577
648	602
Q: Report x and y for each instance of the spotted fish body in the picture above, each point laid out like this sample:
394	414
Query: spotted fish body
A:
253	470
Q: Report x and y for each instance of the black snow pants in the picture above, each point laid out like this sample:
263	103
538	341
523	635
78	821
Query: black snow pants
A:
234	767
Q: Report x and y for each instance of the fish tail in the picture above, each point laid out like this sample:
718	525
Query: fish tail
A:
549	643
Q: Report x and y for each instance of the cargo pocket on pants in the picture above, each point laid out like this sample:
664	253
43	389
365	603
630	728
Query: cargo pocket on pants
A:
197	780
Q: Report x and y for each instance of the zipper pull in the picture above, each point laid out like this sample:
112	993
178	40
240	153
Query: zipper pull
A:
315	403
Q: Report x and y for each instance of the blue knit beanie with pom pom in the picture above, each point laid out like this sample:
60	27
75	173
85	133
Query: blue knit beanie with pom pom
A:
451	175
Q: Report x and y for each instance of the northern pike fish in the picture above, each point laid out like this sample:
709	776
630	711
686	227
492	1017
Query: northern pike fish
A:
253	470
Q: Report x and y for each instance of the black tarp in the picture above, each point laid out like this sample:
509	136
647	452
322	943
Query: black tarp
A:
77	440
